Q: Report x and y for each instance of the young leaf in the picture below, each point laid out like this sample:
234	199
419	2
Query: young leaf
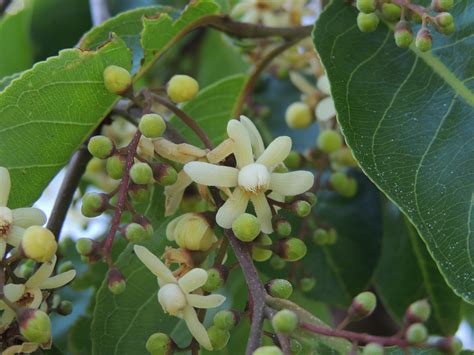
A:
408	117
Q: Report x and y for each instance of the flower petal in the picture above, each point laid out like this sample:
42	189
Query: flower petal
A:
5	185
232	208
325	109
324	85
242	145
193	280
44	271
3	248
7	317
14	235
174	193
292	183
37	297
276	152
59	280
26	348
196	328
27	217
255	137
222	151
211	175
14	291
154	264
211	301
170	228
263	211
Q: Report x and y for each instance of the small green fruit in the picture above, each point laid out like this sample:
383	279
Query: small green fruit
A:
298	115
366	6
246	227
443	5
321	237
418	312
182	88
117	80
301	208
447	30
339	181
218	337
362	305
373	349
391	12
268	350
115	166
216	277
416	333
293	160
226	320
351	188
116	281
94	204
291	249
277	263
100	147
444	19
282	226
261	254
136	233
35	325
423	40
403	34
285	321
85	246
279	288
329	141
367	22
307	284
159	344
64	308
141	173
152	125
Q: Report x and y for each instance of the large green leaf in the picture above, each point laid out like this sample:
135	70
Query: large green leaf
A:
409	118
47	112
405	261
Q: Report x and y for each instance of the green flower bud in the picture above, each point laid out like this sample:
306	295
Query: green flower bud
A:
100	147
447	30
277	263
218	337
329	141
362	305
141	173
403	34
415	17
65	266
443	5
450	345
226	320
282	226
117	80
95	165
332	233
351	188
94	204
116	281
38	243
86	246
416	333
298	115
279	288
35	325
367	22
321	237
418	312
301	208
444	19
309	197
294	160
139	193
64	308
307	284
261	254
164	174
295	346
285	321
268	350
366	6
136	233
391	12
152	125
159	344
26	269
216	278
182	88
423	40
338	181
291	249
115	166
246	227
192	231
373	349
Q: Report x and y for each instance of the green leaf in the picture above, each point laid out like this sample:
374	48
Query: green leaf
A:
405	261
79	340
408	116
47	113
6	80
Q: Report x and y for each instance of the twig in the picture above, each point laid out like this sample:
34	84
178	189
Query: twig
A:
99	11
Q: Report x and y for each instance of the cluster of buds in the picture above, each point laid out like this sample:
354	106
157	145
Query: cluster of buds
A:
404	13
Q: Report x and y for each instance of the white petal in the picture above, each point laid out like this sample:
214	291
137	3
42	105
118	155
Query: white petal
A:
3	248
232	208
170	228
174	193
7	317
37	298
196	328
210	301
14	235
14	291
5	186
325	109
323	84
154	264
263	211
220	152
26	217
255	137
193	280
59	280
292	183
44	271
242	146
276	152
26	348
302	84
211	175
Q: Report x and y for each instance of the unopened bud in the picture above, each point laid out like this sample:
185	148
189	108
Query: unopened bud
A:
182	88
403	34
416	333
191	231
279	288
115	166
226	320
373	349
367	22
301	208
94	204
139	193
164	174
136	233
35	325
298	115
423	40
366	6
450	345
100	147
246	227
309	197
117	80
261	254
268	350
418	312
64	308
442	5
291	249
39	244
86	246
218	337
277	263
330	140
362	305
444	19
391	12
216	278
285	321
281	226
116	281
152	125
351	188
338	181
159	344
307	284
141	173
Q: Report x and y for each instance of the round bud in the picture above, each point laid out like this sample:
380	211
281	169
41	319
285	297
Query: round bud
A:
416	333
139	193
291	249
191	231
246	227
268	350
95	165
277	263
100	147
301	208
351	188
85	246
332	233
64	308
373	349
366	6
391	12
282	226
423	40
26	269
443	5
262	254
159	344
450	345
321	236
293	160
38	243
403	34
216	277
117	80
115	166
116	281
418	312
279	288
182	88
152	125
164	174
35	325
136	233
94	204
362	305
307	284
310	197
298	115
444	19
226	320
367	22
339	181
285	321
415	17
329	141
447	30
141	173
65	266
295	346
218	337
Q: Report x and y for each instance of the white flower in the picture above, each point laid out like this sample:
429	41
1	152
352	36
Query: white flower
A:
14	222
267	12
251	178
176	297
30	293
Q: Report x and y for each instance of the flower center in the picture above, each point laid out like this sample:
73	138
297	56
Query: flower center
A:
254	178
172	299
6	221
